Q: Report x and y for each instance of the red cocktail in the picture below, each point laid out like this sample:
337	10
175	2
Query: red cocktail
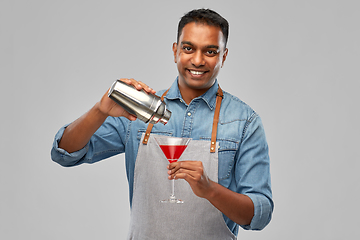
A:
173	153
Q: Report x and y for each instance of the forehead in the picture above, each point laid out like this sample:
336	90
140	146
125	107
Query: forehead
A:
202	34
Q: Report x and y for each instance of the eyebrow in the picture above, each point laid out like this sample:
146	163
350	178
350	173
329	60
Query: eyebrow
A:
208	46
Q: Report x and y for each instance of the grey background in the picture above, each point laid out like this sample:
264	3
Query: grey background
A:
295	62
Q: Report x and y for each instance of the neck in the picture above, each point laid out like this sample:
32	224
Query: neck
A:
188	94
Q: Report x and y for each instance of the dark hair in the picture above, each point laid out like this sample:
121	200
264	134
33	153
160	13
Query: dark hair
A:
206	16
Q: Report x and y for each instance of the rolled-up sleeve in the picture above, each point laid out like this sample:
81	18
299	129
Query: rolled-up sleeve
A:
253	173
107	141
64	158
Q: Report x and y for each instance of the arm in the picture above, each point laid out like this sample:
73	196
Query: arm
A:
237	207
250	203
78	133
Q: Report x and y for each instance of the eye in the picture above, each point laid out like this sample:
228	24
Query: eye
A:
212	52
187	49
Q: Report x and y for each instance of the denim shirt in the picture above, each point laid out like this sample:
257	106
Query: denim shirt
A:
244	165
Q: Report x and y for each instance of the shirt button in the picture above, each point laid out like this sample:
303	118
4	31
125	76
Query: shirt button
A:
189	114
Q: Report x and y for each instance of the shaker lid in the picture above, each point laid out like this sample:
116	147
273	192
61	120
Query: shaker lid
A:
165	118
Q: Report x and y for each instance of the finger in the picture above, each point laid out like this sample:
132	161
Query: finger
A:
116	111
190	165
128	81
146	88
129	116
133	82
173	167
185	174
138	85
179	175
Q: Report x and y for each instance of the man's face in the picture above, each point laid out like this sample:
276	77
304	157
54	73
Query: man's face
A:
199	55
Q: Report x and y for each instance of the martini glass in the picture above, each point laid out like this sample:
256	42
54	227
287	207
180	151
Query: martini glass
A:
172	147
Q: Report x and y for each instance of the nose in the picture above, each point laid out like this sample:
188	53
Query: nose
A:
198	59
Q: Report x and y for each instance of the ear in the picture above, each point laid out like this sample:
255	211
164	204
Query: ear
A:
224	57
174	48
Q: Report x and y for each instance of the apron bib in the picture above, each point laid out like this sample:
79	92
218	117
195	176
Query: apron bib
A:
196	218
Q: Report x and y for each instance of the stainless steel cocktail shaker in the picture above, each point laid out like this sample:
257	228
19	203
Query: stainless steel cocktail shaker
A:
145	106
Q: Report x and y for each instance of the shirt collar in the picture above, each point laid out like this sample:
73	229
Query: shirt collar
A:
209	97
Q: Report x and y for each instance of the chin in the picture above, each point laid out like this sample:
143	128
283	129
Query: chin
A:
196	84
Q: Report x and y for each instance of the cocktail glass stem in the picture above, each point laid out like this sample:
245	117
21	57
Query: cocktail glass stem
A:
172	196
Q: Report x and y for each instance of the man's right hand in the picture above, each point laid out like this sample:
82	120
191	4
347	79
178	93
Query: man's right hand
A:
108	107
79	132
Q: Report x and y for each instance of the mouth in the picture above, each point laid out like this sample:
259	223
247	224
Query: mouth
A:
195	73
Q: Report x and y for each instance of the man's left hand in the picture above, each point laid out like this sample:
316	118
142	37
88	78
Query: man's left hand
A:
193	172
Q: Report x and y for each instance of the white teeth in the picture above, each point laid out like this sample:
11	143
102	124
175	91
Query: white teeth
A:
196	72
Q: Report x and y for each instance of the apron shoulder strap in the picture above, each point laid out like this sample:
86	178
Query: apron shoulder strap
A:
150	126
219	97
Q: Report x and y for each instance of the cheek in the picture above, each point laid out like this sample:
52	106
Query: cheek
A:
181	59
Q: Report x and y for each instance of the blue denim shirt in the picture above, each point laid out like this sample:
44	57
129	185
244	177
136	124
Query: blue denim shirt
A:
244	165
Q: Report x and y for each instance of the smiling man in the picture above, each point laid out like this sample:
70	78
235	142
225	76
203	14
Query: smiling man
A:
223	175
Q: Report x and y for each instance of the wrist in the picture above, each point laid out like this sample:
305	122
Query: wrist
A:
98	112
212	190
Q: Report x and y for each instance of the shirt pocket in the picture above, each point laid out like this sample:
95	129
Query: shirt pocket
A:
157	132
226	151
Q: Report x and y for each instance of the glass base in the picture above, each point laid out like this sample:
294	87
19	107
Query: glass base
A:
172	200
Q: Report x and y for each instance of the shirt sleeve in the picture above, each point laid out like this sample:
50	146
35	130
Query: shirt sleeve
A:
253	173
107	141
